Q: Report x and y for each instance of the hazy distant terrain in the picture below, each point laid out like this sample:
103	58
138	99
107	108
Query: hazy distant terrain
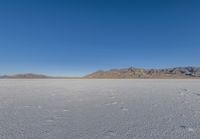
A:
99	109
179	72
27	75
126	73
34	76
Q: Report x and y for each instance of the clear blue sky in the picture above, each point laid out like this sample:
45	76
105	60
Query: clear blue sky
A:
75	37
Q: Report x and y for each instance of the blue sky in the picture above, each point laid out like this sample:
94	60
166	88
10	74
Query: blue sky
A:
76	37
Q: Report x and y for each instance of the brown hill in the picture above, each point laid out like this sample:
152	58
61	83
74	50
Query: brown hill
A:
131	73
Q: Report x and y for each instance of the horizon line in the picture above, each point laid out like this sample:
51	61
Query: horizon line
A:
84	74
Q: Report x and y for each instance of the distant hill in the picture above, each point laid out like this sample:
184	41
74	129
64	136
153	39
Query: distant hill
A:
126	73
24	76
34	76
140	73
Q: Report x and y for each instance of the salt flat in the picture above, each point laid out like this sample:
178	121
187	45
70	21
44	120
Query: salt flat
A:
99	109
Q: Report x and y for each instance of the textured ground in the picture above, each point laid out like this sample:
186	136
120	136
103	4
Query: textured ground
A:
99	109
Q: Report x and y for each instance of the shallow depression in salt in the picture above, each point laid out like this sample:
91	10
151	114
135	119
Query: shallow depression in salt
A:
99	109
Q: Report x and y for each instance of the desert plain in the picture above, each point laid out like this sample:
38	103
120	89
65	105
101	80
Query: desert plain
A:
99	108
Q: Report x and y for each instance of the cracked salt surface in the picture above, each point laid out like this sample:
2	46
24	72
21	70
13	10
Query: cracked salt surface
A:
99	109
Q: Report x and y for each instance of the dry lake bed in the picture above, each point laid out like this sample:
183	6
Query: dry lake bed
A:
99	109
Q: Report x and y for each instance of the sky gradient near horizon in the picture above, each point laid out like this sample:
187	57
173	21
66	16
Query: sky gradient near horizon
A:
76	37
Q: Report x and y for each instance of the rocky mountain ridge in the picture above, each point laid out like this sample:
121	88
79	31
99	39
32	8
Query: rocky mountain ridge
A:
126	73
129	73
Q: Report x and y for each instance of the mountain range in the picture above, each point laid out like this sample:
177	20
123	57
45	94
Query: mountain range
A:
126	73
26	75
140	73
